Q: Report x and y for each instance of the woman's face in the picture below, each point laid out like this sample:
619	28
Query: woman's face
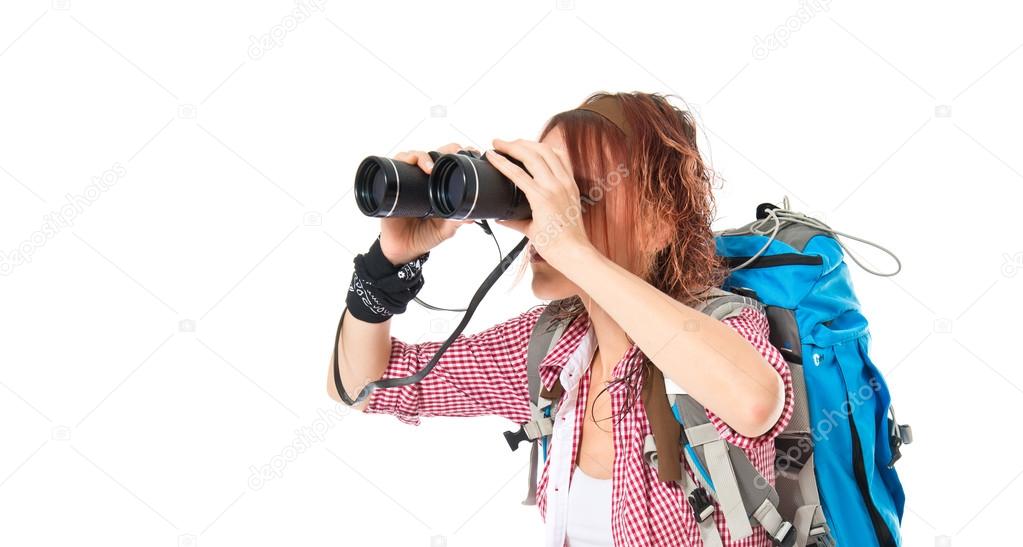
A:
549	283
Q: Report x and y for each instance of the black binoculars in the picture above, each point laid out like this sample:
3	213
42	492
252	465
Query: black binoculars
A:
463	185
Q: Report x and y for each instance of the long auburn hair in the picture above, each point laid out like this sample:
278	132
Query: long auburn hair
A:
626	185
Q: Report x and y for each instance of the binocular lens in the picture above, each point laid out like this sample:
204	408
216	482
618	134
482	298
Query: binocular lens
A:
465	186
373	196
447	190
384	188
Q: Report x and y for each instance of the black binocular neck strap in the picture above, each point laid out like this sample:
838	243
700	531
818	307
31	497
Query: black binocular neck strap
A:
497	272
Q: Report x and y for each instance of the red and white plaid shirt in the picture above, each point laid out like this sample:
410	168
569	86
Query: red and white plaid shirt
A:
485	374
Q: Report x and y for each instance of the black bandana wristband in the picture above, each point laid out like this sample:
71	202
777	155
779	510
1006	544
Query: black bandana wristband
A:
380	289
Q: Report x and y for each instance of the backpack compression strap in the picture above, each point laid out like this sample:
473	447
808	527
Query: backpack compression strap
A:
664	426
742	493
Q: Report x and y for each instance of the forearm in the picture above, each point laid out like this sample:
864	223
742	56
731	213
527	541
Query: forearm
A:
704	356
363	352
382	285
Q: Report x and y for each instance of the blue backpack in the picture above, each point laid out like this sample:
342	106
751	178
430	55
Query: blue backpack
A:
793	265
835	480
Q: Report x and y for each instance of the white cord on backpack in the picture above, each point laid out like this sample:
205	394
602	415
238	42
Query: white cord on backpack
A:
784	214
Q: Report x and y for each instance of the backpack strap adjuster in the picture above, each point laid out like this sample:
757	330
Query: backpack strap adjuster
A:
898	435
779	531
540	426
701	504
820	537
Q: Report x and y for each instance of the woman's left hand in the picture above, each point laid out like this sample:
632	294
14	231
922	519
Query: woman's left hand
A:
556	226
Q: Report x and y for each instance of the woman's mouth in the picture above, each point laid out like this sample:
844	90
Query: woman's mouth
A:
535	256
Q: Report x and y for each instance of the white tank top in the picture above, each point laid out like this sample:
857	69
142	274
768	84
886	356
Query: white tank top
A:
589	511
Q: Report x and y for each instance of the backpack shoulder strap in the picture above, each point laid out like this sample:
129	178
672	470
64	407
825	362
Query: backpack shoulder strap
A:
545	335
721	304
742	493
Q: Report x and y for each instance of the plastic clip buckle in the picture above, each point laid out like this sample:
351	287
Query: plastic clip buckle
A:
701	504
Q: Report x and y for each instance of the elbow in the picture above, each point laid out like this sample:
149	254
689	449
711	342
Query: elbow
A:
763	410
333	387
332	393
334	396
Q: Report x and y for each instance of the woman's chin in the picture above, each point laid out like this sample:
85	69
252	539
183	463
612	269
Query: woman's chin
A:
545	288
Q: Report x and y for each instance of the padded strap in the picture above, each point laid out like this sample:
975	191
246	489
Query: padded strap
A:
739	488
702	434
541	343
712	450
533	461
809	522
708	526
544	337
810	527
726	488
721	304
717	303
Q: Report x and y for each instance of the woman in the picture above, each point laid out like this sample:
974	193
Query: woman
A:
628	263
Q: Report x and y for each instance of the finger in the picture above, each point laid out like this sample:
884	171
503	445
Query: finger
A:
417	157
550	158
425	162
450	148
566	162
530	158
515	173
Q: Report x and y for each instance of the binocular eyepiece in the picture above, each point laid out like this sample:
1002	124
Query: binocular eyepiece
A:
463	185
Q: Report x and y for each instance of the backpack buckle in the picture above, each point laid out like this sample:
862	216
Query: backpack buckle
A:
531	430
898	435
701	504
820	537
783	536
515	438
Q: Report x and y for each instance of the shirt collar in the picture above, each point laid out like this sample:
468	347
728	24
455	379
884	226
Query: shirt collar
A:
569	345
566	346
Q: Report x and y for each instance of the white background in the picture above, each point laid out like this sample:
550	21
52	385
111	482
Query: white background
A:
175	334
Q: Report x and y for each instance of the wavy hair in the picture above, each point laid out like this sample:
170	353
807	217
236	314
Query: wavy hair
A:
647	200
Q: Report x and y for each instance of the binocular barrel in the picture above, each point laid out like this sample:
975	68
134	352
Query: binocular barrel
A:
461	186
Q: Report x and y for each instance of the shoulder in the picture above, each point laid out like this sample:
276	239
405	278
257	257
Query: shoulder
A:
516	329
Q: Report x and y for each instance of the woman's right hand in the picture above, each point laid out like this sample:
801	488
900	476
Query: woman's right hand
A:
404	238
